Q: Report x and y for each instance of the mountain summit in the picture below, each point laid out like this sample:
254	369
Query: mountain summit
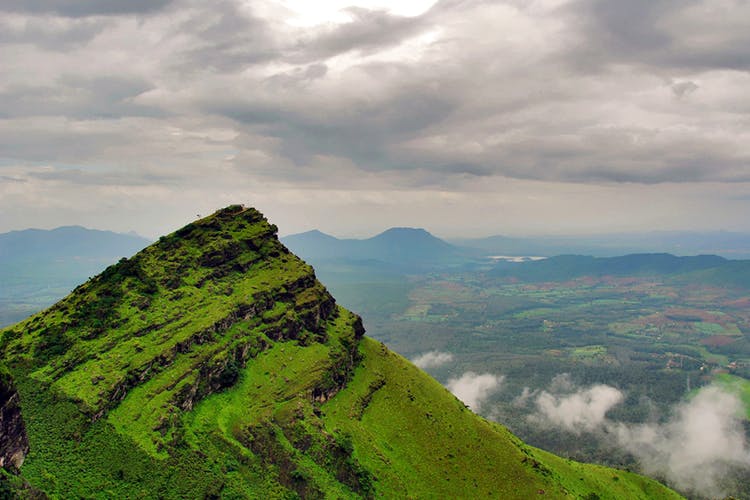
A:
213	364
397	247
410	244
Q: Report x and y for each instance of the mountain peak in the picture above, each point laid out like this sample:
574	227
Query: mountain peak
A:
315	234
141	314
214	364
405	232
409	244
405	229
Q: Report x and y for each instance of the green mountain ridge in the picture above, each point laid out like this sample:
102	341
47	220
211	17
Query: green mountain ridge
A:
213	364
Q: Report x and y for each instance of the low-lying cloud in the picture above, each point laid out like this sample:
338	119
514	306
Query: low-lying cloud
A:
432	359
585	409
473	389
696	449
523	399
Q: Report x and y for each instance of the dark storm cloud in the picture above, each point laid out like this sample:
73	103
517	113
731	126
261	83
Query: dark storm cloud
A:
685	34
564	111
83	8
558	133
53	34
362	130
88	177
297	77
56	143
605	159
682	89
628	28
7	178
76	97
593	91
225	38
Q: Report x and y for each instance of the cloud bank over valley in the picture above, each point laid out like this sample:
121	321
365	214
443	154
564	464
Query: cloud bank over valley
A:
698	446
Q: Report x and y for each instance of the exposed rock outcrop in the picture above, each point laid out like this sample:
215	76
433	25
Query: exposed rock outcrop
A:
14	444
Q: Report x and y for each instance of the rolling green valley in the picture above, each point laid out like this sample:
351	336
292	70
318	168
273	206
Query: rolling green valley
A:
654	330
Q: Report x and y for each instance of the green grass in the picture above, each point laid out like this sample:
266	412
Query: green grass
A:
127	454
588	352
709	329
737	385
213	364
421	442
711	357
94	366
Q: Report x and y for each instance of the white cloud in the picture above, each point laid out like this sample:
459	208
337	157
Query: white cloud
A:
696	449
473	389
306	13
522	400
406	98
582	410
432	359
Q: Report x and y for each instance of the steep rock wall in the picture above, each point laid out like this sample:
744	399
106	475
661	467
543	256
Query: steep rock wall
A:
14	444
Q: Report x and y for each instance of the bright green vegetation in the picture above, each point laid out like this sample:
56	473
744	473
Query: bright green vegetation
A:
213	364
421	442
738	385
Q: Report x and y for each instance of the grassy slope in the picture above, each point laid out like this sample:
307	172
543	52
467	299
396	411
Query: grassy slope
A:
205	451
421	442
431	447
147	382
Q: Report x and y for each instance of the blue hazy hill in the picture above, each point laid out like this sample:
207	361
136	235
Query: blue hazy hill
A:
38	266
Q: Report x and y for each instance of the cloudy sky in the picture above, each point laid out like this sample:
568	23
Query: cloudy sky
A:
464	117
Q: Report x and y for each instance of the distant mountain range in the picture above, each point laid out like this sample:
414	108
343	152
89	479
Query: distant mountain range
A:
401	251
726	244
38	267
400	245
398	248
67	242
410	246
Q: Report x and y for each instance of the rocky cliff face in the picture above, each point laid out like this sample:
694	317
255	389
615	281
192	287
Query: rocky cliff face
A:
14	444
